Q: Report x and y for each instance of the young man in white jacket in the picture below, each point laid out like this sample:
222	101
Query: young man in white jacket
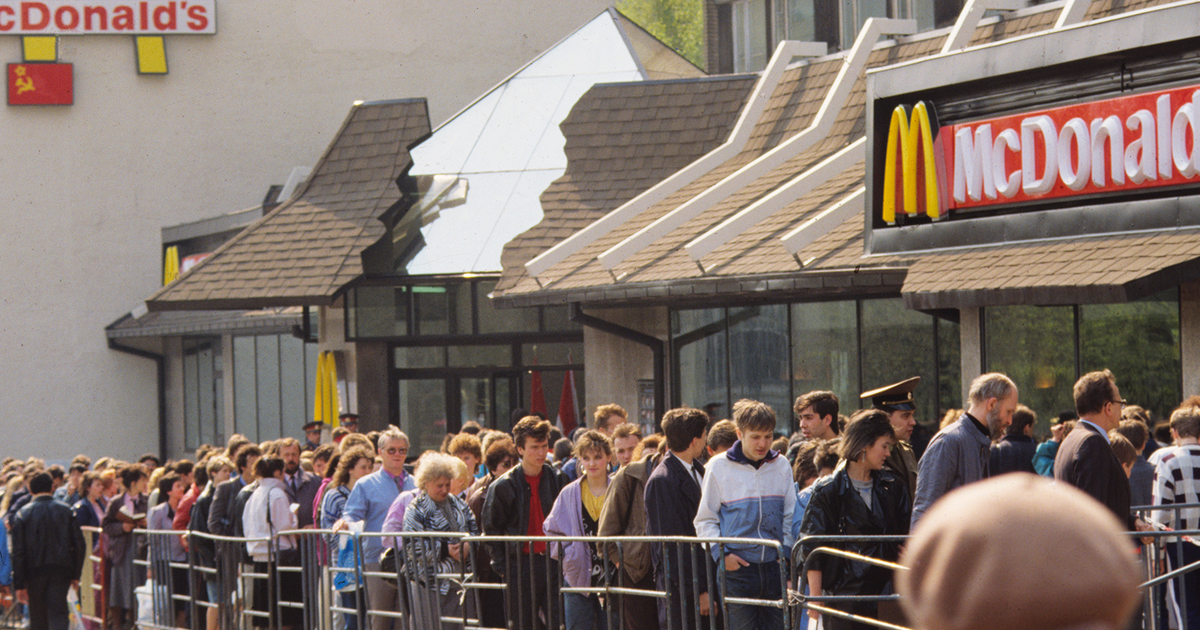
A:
747	493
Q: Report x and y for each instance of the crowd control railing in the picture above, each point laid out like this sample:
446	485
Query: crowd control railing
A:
320	580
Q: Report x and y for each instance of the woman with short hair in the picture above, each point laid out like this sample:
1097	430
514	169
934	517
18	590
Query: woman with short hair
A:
437	509
125	513
268	512
859	499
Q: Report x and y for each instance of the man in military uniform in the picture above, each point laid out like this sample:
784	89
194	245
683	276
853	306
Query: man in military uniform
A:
896	400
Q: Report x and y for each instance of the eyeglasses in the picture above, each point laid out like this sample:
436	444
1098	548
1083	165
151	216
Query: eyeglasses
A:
1121	402
396	451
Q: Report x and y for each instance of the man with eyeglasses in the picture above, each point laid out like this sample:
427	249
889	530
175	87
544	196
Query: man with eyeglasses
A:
368	503
1086	459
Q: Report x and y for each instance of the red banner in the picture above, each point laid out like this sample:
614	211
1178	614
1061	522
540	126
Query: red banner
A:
40	84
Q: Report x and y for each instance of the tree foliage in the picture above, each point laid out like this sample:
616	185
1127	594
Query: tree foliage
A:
677	23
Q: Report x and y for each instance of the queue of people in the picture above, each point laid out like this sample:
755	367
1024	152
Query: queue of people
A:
696	477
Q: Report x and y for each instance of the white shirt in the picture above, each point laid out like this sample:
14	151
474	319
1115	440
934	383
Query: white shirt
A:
254	519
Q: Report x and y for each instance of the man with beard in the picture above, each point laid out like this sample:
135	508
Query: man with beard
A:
896	400
301	485
959	454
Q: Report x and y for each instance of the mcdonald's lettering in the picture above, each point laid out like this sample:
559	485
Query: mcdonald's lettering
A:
1128	143
910	138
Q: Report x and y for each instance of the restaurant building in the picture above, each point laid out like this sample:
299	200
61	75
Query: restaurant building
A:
783	261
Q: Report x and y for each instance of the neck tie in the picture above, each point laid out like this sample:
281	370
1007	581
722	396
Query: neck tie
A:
399	479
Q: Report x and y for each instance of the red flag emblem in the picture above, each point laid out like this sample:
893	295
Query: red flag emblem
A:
40	84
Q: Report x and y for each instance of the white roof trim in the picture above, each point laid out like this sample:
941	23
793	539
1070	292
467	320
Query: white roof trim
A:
968	20
808	232
737	139
779	199
835	99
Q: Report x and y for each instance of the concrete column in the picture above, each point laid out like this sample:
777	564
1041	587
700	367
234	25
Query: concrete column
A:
372	399
970	331
614	364
1189	336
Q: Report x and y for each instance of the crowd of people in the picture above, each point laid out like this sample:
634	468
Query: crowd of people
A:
697	477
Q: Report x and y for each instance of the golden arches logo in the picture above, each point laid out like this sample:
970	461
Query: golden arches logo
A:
908	132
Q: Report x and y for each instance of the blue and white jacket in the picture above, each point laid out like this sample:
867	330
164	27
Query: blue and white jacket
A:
744	499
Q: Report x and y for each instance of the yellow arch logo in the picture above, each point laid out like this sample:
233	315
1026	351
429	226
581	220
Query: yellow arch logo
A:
908	132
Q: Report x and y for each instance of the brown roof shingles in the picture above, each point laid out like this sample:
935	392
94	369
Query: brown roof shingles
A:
757	252
308	248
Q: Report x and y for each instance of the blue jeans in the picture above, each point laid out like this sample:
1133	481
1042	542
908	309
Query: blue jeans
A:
756	581
350	600
1187	586
583	612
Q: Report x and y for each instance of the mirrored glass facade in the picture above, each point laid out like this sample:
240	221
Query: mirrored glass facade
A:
777	352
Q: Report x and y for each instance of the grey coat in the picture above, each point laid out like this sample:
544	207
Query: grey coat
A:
956	456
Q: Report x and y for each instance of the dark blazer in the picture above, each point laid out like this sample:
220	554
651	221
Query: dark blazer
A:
672	499
309	485
219	522
1086	461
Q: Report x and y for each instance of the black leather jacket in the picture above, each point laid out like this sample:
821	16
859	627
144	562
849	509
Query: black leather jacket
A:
46	536
835	509
506	509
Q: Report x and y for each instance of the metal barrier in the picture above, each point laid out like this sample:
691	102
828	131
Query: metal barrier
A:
324	583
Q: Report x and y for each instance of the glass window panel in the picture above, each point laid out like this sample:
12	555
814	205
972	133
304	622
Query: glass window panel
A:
750	37
266	350
506	389
191	398
552	354
555	318
699	341
949	366
245	399
897	343
1139	342
476	401
206	415
758	359
430	305
418	357
506	320
460	302
379	312
479	356
422	409
793	19
825	350
1035	347
292	386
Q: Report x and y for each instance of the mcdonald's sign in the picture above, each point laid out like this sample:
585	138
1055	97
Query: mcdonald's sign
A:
912	151
1131	143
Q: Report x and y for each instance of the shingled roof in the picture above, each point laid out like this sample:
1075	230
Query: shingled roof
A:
622	138
303	252
754	261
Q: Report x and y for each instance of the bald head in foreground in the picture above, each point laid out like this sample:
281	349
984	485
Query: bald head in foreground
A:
1035	556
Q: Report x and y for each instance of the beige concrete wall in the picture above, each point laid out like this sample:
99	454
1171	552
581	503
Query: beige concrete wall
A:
86	188
614	365
970	335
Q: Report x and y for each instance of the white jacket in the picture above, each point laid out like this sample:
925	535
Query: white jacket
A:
270	493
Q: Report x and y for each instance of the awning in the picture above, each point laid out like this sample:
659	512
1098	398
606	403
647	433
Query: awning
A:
1082	270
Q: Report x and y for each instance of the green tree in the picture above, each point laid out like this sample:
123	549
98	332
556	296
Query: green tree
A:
677	23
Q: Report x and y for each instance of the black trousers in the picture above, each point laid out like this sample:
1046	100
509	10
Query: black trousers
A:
532	594
47	590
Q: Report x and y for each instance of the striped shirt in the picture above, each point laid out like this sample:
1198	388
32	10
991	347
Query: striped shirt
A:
1177	481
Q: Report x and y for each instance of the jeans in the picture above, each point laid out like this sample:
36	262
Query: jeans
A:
47	589
757	581
350	600
583	612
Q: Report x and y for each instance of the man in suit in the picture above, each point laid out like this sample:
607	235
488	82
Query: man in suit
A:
672	498
1085	459
301	485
